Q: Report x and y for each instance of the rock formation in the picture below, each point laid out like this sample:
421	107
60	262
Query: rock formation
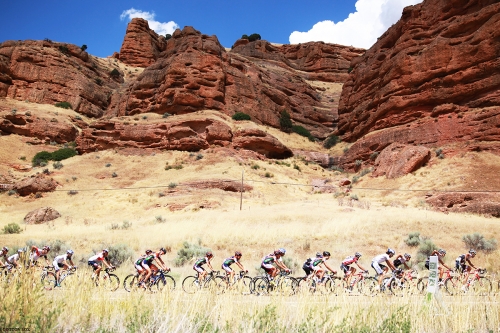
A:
466	202
431	79
399	159
50	130
41	215
49	72
141	45
35	184
192	135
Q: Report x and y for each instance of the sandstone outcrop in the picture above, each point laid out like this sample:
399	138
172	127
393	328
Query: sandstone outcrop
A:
41	215
430	79
141	45
35	184
196	73
221	184
192	135
318	60
50	130
49	72
398	160
466	202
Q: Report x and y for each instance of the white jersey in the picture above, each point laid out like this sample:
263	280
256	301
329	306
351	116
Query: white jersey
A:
60	259
37	254
12	258
381	258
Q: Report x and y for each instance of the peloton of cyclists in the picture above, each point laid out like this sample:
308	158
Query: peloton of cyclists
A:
150	267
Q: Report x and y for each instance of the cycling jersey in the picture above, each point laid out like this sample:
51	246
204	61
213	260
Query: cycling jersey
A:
148	260
381	258
462	258
229	261
37	254
399	261
317	261
201	261
12	258
350	260
270	259
60	259
97	257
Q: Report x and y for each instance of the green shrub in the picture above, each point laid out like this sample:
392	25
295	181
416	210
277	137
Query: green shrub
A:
63	154
114	175
300	130
64	105
168	36
254	37
296	167
126	225
57	165
83	47
413	239
188	252
374	155
119	254
285	122
43	156
478	242
114	73
358	163
241	116
172	185
12	228
64	49
331	141
98	81
199	157
425	249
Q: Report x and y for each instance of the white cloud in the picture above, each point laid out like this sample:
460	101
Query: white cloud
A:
160	28
361	28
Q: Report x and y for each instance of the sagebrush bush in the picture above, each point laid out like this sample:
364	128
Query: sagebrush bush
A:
478	242
63	154
331	141
119	254
413	239
40	157
64	105
189	251
241	116
12	228
425	249
300	130
57	165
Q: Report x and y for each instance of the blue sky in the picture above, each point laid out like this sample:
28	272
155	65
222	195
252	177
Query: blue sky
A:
101	25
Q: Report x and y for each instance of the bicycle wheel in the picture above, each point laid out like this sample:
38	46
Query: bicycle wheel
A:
244	285
305	285
190	284
130	283
422	285
398	287
110	282
482	287
385	287
288	285
368	286
261	286
167	282
49	281
453	286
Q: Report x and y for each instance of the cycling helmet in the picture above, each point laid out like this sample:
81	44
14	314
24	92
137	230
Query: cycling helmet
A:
318	255
46	247
5	248
390	251
277	252
105	250
442	252
209	254
407	256
326	254
20	251
237	253
70	252
282	251
163	250
357	254
473	252
149	251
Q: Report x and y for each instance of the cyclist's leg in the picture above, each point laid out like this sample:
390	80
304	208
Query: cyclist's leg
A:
201	273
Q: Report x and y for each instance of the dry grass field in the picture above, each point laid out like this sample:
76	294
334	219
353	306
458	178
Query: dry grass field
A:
282	210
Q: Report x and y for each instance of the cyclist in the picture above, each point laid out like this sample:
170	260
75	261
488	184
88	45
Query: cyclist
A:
232	260
3	254
138	263
198	266
348	270
307	265
36	253
274	258
151	268
94	262
320	266
462	267
402	260
378	264
13	259
61	261
440	254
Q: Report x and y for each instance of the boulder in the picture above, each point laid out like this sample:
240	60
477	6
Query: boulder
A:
399	159
35	184
261	142
466	202
41	215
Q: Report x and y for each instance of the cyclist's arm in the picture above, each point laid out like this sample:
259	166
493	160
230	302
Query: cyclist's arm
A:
406	266
210	266
442	263
107	263
329	268
468	260
389	263
361	268
282	265
240	266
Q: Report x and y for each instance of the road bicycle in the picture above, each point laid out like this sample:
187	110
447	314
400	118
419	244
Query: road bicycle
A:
328	285
476	283
363	283
281	284
242	283
401	283
211	283
157	282
107	280
49	280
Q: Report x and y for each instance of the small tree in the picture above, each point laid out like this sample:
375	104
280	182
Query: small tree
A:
168	36
114	73
331	141
83	47
285	122
240	116
254	37
64	105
